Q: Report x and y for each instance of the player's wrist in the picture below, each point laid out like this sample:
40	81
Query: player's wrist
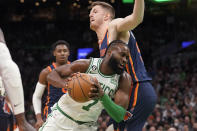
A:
38	117
103	97
65	85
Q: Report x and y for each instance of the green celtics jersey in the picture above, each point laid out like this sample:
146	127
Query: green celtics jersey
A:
109	84
90	111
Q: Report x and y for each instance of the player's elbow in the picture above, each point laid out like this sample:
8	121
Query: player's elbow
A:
140	19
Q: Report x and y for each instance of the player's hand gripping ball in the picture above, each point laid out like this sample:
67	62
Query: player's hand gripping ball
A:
79	87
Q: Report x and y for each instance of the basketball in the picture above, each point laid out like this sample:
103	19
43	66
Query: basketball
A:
79	87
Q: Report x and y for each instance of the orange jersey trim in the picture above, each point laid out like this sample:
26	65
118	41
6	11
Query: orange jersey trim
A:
136	89
8	129
48	99
15	126
103	38
102	52
49	68
107	38
54	65
133	70
135	95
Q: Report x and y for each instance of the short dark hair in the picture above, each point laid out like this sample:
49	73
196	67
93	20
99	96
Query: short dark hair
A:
60	42
114	44
106	6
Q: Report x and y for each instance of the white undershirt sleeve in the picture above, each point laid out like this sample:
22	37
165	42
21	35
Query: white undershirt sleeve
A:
11	78
37	96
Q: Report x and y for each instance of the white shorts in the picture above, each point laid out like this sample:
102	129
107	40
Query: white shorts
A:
56	121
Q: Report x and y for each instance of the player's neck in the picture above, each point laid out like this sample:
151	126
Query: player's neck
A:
105	69
59	64
101	30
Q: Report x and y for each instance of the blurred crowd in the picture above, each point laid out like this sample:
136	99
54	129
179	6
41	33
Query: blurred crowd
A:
174	71
175	83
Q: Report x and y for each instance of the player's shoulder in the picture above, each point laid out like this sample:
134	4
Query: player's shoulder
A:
125	76
114	22
45	71
117	20
82	61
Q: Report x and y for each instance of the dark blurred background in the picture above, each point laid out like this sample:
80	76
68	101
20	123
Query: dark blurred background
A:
167	39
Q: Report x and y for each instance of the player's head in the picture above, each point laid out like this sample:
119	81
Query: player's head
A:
2	39
100	13
117	54
61	51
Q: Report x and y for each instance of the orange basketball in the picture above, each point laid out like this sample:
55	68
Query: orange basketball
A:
79	87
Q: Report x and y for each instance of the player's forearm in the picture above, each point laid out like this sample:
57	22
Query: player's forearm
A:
37	96
12	80
115	111
36	104
54	79
138	11
38	117
132	21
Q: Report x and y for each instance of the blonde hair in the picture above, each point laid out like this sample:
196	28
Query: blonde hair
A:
106	6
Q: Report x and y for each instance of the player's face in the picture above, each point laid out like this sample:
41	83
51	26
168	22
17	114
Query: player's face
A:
119	58
96	15
61	54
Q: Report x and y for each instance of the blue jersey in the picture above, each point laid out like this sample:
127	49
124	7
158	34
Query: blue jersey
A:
53	94
7	119
135	66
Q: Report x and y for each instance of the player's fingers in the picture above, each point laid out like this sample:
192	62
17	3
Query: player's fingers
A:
97	85
94	96
75	74
94	90
68	79
95	80
72	75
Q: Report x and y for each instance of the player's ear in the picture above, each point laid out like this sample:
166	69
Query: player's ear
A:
109	52
106	16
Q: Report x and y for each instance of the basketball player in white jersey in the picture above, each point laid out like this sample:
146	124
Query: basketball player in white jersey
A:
112	83
9	72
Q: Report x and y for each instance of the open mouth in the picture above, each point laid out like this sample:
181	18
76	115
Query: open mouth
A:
91	20
121	66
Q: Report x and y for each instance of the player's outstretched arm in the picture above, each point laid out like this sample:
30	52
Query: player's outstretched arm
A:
58	76
132	20
37	96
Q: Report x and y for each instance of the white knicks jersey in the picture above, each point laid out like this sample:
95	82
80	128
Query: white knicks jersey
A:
4	52
90	111
4	55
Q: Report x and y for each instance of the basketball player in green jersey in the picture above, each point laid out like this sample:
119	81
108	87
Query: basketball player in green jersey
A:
112	82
